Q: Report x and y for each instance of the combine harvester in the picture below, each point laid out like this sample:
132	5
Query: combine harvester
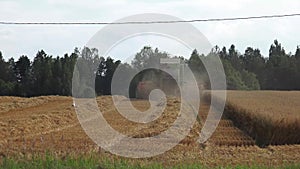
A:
169	79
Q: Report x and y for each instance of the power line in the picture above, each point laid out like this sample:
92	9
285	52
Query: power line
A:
150	22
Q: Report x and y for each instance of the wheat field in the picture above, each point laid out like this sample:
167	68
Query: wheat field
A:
251	131
270	117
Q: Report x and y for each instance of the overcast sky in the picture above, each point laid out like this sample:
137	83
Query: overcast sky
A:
16	40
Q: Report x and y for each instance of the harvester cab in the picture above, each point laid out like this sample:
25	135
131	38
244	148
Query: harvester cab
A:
168	78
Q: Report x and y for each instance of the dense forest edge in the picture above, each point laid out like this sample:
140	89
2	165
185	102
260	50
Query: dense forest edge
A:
48	75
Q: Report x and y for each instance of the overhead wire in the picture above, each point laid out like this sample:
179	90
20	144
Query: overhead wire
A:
151	22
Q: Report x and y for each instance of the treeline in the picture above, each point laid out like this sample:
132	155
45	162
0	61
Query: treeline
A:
250	70
47	75
43	76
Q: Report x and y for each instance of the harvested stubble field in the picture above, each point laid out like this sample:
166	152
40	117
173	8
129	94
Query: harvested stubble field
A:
31	126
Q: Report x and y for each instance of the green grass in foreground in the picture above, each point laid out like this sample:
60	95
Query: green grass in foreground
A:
92	162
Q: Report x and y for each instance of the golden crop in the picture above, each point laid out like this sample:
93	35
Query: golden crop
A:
270	117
